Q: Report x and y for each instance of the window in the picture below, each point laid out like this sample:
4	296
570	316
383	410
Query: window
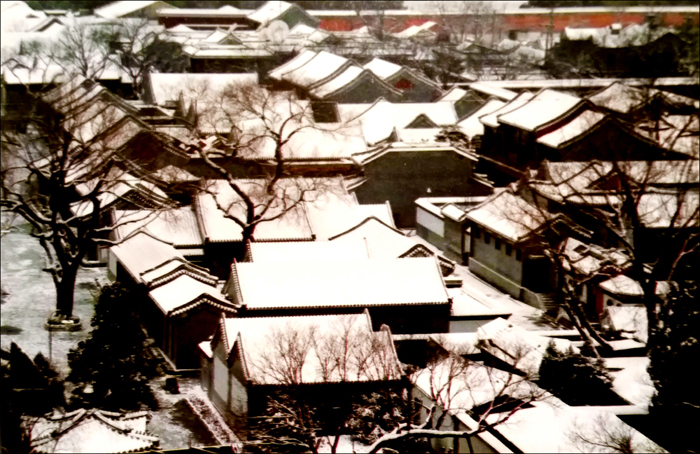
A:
487	238
518	254
498	244
509	249
476	232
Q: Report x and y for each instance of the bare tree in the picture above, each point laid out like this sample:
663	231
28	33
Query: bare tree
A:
143	47
606	433
81	48
647	209
61	175
271	128
303	363
477	22
451	385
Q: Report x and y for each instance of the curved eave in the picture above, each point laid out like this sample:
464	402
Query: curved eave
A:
353	83
579	137
203	298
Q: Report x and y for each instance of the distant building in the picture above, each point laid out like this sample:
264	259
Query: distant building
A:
131	9
646	50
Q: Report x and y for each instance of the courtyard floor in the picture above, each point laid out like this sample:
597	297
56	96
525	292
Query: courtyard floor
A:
31	298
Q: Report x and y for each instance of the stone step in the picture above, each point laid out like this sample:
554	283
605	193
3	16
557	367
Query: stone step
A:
214	422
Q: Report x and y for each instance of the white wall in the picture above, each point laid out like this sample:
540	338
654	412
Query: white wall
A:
239	397
220	384
430	222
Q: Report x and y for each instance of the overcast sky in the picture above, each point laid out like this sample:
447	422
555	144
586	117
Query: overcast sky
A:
432	5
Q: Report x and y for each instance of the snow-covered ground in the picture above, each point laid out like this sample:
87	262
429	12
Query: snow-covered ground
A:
174	423
32	298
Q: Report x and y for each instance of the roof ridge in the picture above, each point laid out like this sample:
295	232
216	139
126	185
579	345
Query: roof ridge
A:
363	222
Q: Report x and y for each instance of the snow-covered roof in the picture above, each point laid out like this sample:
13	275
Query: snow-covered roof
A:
629	319
265	342
453	94
413	136
434	204
589	258
631	379
543	108
362	283
118	186
509	216
466	306
142	252
508	44
460	385
315	70
679	133
379	120
321	251
176	226
181	28
564	84
226	51
303	58
491	119
419	146
382	68
172	175
623	98
618	97
215	227
660	211
521	348
579	126
304	138
378	239
472	125
303	29
269	11
574	177
19	17
200	87
184	292
626	286
343	79
224	11
332	214
548	427
119	9
167	271
90	431
493	90
217	36
530	55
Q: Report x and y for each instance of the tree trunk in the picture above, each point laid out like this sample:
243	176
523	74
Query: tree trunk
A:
65	291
